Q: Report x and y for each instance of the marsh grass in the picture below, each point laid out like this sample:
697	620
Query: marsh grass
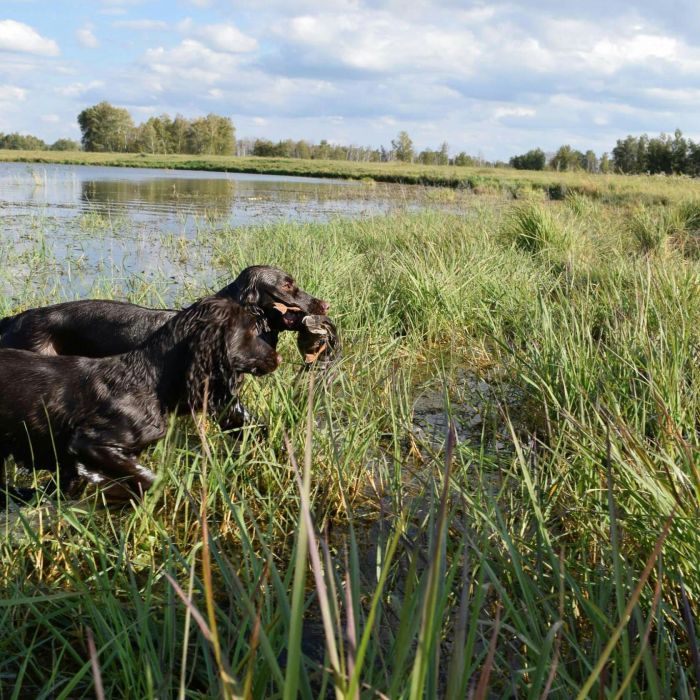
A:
351	554
611	189
535	229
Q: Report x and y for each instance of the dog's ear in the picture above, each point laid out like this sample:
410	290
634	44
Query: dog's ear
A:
245	288
209	371
249	296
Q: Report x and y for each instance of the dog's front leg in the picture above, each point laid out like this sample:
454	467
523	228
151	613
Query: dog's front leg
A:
236	416
117	471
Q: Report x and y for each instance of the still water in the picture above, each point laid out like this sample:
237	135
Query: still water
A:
173	196
73	226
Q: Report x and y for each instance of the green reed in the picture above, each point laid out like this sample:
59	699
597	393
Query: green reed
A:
548	550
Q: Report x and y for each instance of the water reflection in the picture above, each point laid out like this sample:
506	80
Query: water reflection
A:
214	197
91	222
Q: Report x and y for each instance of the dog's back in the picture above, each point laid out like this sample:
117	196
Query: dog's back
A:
91	328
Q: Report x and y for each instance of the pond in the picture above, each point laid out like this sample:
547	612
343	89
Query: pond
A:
78	226
176	198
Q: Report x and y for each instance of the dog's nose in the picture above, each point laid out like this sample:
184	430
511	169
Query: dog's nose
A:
325	306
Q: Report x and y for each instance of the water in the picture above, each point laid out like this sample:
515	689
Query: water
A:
173	196
69	229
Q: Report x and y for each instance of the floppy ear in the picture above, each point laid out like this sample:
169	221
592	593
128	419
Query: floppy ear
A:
244	289
249	294
209	372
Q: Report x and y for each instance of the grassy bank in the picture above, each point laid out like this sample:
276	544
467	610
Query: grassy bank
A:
518	183
551	552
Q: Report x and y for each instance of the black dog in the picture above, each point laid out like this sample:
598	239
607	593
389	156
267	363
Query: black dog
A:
99	328
91	417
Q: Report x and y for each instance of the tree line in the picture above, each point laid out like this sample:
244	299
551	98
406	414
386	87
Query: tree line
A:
105	127
401	149
665	154
22	142
108	128
634	155
565	158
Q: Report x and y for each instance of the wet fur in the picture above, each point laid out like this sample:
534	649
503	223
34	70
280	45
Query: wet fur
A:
100	328
91	417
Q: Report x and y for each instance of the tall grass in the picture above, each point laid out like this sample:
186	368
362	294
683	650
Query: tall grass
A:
548	551
534	229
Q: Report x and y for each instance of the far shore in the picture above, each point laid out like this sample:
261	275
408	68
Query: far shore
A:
516	183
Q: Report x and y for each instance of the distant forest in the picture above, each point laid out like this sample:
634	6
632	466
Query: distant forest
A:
108	128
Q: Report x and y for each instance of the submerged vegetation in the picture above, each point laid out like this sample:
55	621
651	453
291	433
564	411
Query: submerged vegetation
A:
495	492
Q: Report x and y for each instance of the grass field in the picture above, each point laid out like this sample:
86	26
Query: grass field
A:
519	184
359	552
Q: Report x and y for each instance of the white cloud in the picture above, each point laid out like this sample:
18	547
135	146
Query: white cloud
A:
379	41
12	93
681	96
190	61
611	54
20	37
501	112
227	38
86	37
50	118
78	89
140	24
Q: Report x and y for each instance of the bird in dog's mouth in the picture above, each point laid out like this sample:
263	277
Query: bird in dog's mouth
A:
292	316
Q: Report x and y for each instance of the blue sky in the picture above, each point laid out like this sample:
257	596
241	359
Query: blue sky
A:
494	78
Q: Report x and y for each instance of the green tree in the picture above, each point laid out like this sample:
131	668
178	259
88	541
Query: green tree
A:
427	157
322	151
286	148
463	159
534	159
692	163
660	155
567	158
265	148
65	145
106	128
177	136
211	135
679	153
592	164
145	139
162	128
402	146
625	155
641	164
22	142
604	163
302	150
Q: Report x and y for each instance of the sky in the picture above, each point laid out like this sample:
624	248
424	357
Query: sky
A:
493	79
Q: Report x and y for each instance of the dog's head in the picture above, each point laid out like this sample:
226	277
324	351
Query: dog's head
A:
248	353
275	294
224	342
